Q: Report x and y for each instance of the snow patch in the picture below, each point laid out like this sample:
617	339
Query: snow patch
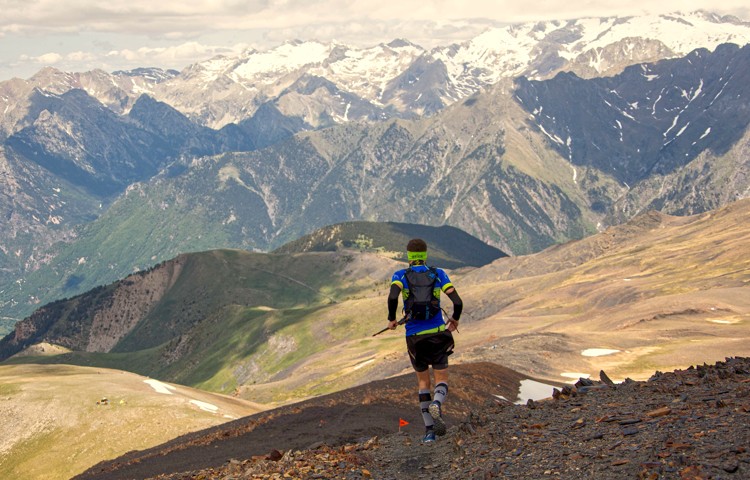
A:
205	406
682	130
722	322
159	386
533	390
360	365
598	352
554	138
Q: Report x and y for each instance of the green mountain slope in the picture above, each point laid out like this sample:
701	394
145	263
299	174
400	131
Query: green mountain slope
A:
216	319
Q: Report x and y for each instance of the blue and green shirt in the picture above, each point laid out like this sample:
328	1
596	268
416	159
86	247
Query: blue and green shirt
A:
432	324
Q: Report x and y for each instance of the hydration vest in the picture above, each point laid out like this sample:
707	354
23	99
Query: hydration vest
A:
421	303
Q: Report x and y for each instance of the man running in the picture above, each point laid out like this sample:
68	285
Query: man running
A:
429	340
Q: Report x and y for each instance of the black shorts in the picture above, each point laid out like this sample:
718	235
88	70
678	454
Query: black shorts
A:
430	349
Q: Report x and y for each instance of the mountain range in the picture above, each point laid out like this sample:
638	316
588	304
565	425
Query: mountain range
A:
108	173
325	83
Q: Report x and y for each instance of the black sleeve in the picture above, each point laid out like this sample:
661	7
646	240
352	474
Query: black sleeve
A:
458	305
393	301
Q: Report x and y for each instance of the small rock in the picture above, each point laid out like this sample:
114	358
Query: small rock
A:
605	379
274	455
578	423
568	391
370	443
659	412
584	382
629	421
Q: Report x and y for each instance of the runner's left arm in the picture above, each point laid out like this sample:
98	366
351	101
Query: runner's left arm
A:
450	290
458	305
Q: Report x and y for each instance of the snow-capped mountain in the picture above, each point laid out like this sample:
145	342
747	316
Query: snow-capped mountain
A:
400	75
589	47
400	78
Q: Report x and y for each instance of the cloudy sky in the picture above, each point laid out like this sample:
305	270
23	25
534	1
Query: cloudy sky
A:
80	35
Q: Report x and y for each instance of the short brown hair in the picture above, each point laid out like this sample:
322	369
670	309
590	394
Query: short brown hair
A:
416	245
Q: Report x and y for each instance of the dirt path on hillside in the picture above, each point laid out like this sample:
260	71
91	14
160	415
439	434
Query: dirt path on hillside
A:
351	416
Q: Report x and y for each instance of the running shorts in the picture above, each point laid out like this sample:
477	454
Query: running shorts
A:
430	349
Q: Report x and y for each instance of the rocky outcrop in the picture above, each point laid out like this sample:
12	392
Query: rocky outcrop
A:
128	304
97	320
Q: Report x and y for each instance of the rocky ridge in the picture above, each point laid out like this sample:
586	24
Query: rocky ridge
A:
686	424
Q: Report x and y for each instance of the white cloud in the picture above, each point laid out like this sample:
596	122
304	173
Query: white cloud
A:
175	55
170	18
80	56
45	59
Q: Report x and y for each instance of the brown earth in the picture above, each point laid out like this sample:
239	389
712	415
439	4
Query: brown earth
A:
349	416
687	424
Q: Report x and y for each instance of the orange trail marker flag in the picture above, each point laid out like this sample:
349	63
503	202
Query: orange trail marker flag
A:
402	423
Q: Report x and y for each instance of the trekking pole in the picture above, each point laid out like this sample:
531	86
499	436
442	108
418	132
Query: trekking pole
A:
446	314
400	322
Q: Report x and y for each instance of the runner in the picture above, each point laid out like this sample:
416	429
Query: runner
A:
429	339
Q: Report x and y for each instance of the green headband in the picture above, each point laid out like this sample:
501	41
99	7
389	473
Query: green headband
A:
412	256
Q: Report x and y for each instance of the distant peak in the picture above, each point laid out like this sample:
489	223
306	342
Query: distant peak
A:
400	43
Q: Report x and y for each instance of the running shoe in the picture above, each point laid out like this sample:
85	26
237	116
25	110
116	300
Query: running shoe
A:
429	437
437	417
